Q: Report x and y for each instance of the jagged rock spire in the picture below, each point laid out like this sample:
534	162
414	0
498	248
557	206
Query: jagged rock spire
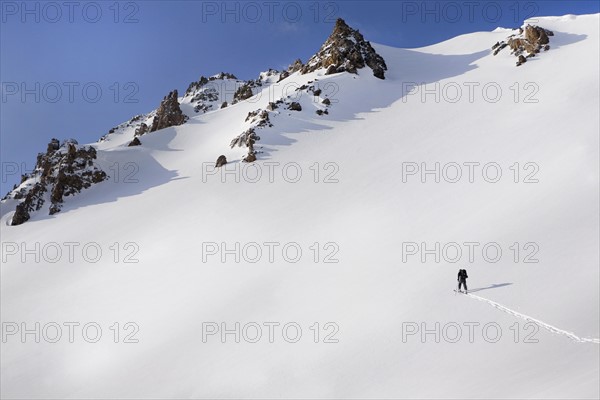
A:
168	113
346	50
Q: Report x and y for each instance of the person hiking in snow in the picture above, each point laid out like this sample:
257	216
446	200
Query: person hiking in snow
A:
462	279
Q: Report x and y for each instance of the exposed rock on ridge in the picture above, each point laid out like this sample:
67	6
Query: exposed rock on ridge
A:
346	50
64	170
168	113
526	44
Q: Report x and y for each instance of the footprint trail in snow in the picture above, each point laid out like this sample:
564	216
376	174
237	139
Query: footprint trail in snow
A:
544	325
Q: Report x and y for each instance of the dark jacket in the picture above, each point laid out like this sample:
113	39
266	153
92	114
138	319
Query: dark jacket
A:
462	275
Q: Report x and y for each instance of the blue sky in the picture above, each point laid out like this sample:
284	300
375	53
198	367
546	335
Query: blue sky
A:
77	69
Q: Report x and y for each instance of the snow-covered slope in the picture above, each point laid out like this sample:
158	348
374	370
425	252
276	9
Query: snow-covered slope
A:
164	200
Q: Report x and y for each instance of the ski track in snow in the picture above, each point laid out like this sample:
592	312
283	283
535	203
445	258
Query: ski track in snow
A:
544	325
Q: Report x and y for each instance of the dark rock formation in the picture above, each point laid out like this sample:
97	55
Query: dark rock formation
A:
333	69
204	93
250	88
346	50
294	106
248	138
296	66
537	35
53	145
168	113
143	128
222	160
283	75
62	171
251	114
251	157
534	39
499	47
242	93
203	98
259	118
526	44
195	86
33	200
134	142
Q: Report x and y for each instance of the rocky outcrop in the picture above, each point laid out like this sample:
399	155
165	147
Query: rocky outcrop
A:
204	93
194	87
498	47
296	66
346	50
168	113
531	41
33	200
242	93
247	89
135	142
259	118
294	106
60	172
263	118
53	145
250	157
204	97
526	44
247	139
222	160
137	124
143	129
537	35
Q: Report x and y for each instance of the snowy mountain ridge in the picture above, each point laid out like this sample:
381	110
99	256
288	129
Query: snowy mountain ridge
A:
344	51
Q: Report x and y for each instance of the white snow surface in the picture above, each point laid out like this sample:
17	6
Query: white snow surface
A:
168	210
